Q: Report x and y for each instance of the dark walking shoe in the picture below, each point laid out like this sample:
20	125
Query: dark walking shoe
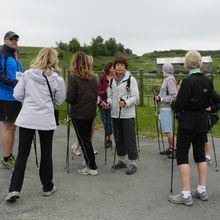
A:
168	151
179	199
131	169
12	196
49	193
109	144
170	156
202	196
119	165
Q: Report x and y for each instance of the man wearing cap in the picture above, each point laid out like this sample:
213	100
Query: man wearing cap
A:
9	107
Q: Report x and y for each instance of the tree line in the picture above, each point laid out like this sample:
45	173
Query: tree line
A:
97	47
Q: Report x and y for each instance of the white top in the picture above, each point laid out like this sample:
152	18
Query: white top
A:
37	110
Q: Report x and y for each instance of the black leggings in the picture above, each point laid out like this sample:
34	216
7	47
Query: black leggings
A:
83	129
46	163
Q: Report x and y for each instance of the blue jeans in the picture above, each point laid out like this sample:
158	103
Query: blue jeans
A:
106	120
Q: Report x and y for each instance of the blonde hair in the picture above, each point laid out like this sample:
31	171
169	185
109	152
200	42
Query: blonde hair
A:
193	60
81	66
90	59
47	60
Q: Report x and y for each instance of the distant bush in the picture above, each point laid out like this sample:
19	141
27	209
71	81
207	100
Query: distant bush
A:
98	47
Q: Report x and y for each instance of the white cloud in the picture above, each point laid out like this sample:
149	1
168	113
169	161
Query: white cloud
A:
140	25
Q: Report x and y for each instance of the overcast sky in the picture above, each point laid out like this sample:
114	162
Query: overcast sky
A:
141	25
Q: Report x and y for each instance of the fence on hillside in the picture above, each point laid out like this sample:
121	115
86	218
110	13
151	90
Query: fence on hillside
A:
148	82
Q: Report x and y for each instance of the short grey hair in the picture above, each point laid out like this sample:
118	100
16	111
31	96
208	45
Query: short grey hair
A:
193	60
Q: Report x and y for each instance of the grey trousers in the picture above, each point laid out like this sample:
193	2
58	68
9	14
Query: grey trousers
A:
125	138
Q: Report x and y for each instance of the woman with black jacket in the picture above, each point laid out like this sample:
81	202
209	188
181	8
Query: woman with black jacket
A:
82	95
192	101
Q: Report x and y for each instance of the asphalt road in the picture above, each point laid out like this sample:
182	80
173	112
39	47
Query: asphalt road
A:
108	196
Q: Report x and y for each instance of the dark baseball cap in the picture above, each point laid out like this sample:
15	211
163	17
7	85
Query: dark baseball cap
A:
10	34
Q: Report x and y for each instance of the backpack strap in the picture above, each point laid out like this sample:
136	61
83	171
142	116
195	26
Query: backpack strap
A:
3	71
128	82
1	53
110	84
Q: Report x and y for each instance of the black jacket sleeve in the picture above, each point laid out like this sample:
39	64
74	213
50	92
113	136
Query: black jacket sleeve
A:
215	101
71	90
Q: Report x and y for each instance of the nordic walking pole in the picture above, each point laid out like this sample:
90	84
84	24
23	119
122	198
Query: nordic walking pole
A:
105	143
213	145
35	150
158	123
137	133
117	136
156	120
68	140
68	133
171	182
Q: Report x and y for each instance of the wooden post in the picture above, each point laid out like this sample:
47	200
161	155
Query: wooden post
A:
141	87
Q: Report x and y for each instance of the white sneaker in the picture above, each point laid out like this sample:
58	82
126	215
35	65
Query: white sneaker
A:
95	151
75	148
49	193
12	196
87	171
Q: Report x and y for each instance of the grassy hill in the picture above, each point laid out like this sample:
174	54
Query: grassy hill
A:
145	62
146	118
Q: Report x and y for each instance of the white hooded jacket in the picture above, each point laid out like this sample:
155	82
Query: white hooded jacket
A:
131	97
37	110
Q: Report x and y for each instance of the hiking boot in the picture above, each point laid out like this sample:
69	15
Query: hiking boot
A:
49	193
168	151
174	155
12	196
119	165
88	171
8	164
131	169
108	144
202	196
75	148
179	199
208	160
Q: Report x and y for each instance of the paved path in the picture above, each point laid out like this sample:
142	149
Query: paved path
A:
108	196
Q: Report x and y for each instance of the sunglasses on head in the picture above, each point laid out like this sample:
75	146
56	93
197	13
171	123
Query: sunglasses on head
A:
13	39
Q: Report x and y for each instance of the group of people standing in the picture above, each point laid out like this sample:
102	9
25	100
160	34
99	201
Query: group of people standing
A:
28	100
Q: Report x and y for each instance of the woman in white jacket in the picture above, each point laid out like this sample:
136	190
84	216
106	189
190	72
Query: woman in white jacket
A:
123	95
37	113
